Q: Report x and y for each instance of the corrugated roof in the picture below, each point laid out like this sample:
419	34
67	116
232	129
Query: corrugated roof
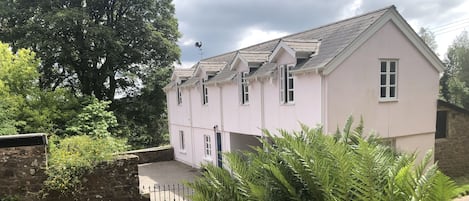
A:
334	38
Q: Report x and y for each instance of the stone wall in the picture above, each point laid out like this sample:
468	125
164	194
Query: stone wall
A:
110	181
155	154
452	152
22	167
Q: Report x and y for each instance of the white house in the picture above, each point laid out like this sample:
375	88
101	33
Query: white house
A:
373	65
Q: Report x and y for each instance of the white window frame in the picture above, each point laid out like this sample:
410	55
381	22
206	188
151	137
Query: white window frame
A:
182	143
286	84
243	88
204	92
207	147
179	95
388	80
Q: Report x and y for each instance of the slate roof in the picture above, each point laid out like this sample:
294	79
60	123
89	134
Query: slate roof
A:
333	39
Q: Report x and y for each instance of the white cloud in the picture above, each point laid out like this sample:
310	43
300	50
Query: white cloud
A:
186	41
255	35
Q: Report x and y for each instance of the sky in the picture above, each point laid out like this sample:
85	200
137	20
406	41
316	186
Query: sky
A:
227	25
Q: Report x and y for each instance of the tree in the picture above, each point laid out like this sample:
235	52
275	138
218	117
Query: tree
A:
93	120
309	165
428	37
455	81
27	107
95	47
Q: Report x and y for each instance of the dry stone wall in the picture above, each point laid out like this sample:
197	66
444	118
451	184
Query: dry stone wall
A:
22	171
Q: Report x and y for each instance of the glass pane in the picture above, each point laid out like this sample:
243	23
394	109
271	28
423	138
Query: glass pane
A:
393	66
290	96
392	92
290	83
247	97
383	92
383	79
392	79
383	66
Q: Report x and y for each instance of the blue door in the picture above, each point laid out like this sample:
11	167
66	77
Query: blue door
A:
219	151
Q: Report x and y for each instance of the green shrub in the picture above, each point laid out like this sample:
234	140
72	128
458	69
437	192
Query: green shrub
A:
93	120
309	165
10	198
70	158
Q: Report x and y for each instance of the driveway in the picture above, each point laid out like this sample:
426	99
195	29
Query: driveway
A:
160	180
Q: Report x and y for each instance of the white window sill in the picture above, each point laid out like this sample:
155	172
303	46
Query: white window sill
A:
287	104
206	158
245	104
184	152
388	100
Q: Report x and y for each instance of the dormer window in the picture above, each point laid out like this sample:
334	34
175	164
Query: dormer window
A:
243	88
204	92
286	84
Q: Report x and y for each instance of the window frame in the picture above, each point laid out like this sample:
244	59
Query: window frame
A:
243	88
207	147
179	95
390	85
286	84
182	143
204	92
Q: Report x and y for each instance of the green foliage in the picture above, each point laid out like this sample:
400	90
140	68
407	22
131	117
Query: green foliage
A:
72	157
95	47
428	37
454	85
309	165
142	119
10	198
93	120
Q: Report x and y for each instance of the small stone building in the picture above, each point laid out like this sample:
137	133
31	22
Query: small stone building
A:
22	164
452	139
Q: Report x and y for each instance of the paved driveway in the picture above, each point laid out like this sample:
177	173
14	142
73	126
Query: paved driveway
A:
156	178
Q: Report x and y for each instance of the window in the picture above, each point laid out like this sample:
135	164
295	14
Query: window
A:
243	88
179	94
204	92
207	146
388	80
441	124
182	144
287	89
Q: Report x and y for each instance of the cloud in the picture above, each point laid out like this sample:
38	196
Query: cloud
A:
255	35
227	25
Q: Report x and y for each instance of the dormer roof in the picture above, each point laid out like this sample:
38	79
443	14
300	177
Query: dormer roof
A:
182	73
250	58
210	68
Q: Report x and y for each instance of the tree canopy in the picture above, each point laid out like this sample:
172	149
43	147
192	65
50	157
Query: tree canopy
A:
454	84
95	47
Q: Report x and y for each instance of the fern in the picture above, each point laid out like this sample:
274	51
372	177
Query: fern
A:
309	165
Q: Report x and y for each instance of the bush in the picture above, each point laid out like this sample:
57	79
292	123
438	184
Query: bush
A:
72	157
309	165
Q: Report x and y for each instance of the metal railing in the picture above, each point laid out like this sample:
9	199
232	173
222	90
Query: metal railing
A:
168	192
